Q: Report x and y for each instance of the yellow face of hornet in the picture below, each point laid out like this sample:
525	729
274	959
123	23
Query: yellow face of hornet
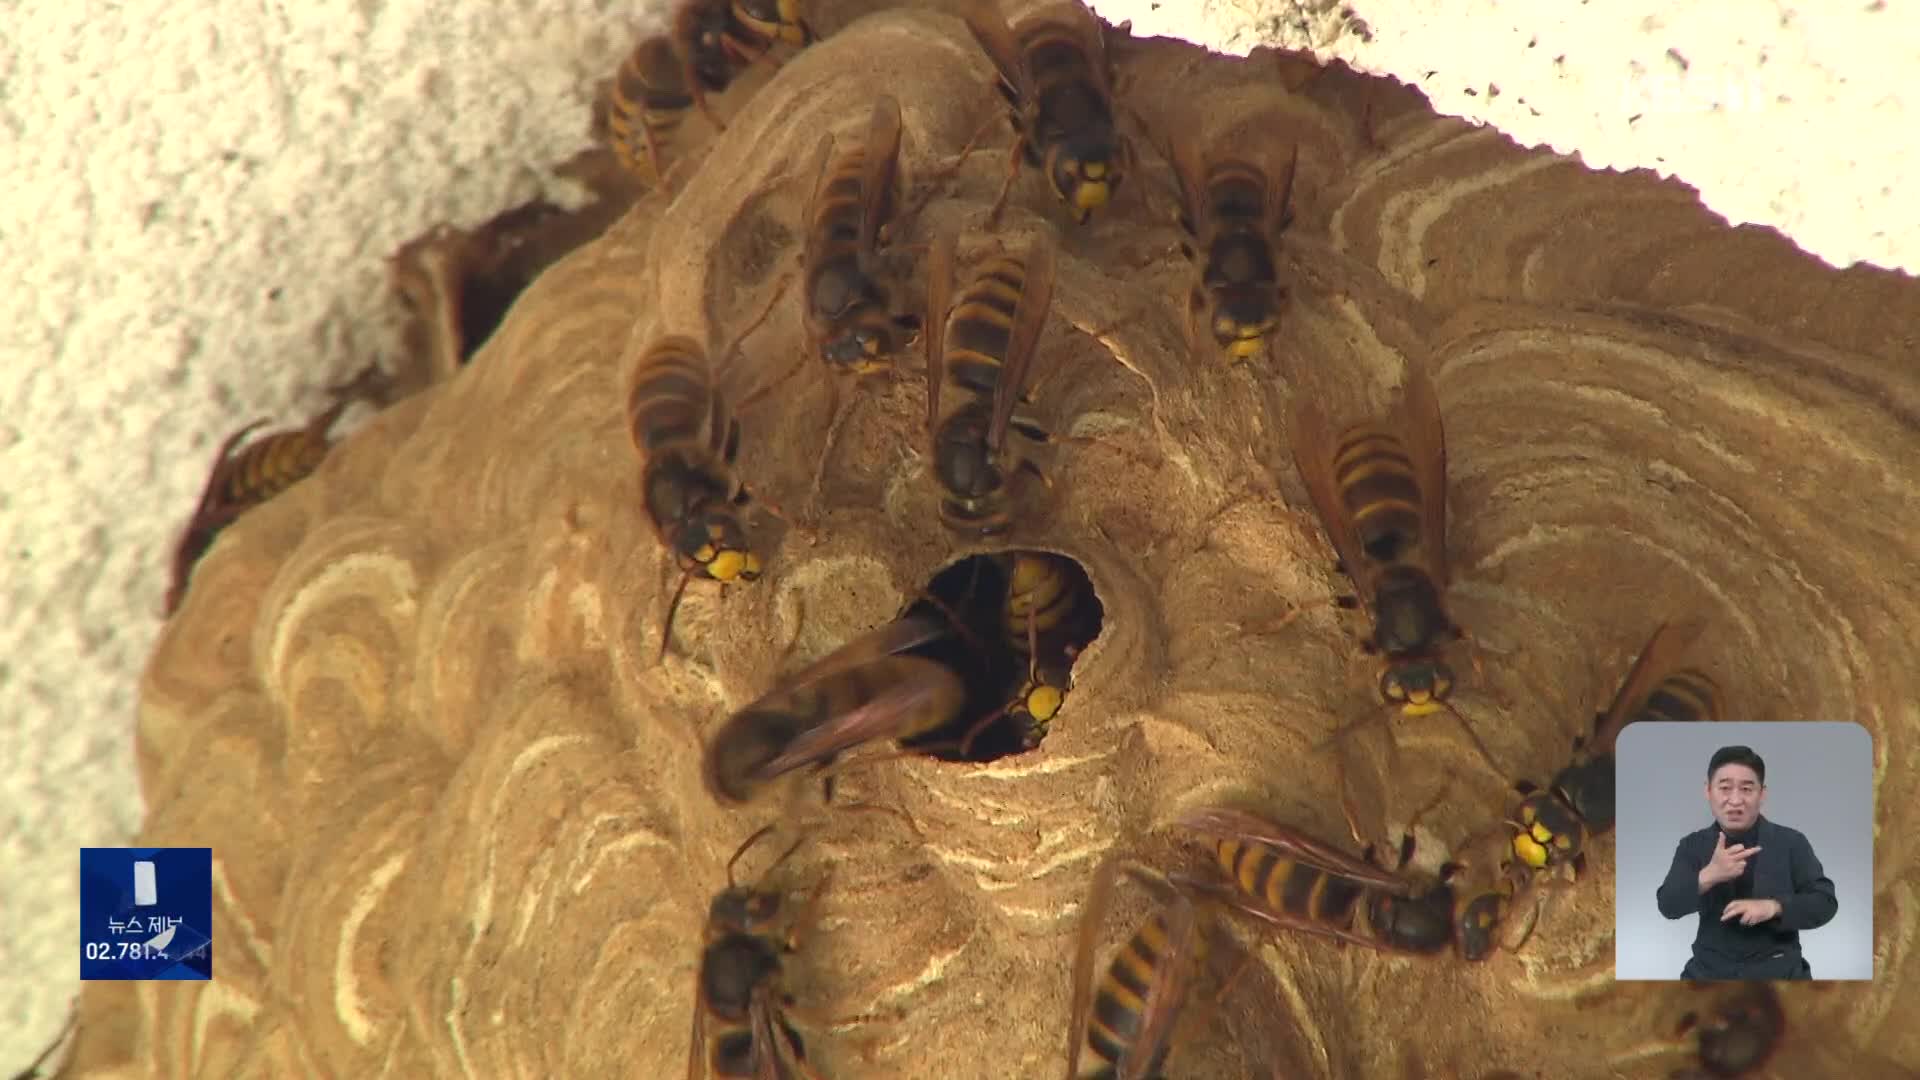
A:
722	553
1039	703
1085	172
1241	340
1419	688
728	565
1545	834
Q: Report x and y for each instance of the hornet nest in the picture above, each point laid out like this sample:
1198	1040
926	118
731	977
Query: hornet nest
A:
456	805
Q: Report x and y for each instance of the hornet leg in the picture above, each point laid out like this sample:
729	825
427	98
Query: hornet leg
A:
1013	172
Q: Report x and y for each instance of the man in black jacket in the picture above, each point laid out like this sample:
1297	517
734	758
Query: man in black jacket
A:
1752	906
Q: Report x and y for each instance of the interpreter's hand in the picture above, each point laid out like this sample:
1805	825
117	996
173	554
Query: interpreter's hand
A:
1728	862
1750	912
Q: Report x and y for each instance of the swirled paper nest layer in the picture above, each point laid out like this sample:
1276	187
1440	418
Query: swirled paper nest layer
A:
455	808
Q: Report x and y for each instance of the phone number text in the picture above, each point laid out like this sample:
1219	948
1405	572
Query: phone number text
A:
122	950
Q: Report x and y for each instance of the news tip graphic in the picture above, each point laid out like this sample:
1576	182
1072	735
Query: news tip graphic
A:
146	913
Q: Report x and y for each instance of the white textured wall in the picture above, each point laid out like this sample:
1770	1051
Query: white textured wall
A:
198	198
1793	115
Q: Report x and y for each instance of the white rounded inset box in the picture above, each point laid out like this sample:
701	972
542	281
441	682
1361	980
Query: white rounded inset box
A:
1744	850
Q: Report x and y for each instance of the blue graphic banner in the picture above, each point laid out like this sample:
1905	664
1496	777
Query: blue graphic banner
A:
146	913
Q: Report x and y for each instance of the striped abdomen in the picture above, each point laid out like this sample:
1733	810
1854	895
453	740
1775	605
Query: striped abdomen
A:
1074	141
838	214
847	312
981	324
1284	884
1587	787
239	482
1684	695
1069	100
977	334
1037	585
649	99
1376	479
687	441
1121	999
762	22
270	466
1238	253
673	406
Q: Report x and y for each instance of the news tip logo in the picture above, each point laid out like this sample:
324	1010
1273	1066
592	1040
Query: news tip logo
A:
146	913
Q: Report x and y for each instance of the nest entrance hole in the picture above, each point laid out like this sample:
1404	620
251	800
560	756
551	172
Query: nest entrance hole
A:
984	598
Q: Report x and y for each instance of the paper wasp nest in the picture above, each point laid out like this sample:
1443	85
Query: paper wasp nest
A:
456	810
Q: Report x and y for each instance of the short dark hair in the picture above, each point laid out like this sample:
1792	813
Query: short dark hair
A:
1737	755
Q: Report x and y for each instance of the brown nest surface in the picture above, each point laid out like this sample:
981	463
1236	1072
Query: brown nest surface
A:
456	808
